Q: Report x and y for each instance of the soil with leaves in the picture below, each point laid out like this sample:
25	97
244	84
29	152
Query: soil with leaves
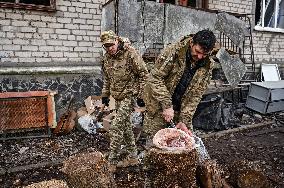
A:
27	161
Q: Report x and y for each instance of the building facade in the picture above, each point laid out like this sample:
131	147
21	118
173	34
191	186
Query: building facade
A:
51	47
55	45
268	37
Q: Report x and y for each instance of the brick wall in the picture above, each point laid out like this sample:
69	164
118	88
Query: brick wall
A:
268	46
57	51
236	6
71	34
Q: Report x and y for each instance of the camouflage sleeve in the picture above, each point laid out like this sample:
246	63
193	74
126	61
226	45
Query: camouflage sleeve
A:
140	71
189	106
106	83
156	81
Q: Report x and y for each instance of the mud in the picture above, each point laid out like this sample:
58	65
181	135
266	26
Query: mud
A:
263	146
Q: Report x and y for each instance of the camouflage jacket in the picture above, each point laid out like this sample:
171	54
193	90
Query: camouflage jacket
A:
165	76
124	74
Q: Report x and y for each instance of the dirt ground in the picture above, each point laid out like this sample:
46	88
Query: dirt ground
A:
262	146
25	161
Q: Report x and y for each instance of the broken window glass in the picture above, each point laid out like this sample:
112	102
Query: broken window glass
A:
270	13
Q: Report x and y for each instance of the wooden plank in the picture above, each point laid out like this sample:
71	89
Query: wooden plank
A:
35	166
239	129
279	129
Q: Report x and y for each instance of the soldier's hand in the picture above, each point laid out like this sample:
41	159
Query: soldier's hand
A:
168	114
183	127
105	101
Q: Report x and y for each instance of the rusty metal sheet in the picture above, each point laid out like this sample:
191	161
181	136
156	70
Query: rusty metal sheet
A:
19	113
26	110
232	66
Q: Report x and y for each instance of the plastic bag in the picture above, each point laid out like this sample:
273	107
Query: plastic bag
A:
201	150
136	119
89	124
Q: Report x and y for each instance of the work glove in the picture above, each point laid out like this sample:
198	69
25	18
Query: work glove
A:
140	102
105	101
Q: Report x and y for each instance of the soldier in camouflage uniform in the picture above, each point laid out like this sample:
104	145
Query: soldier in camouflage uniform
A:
124	76
176	84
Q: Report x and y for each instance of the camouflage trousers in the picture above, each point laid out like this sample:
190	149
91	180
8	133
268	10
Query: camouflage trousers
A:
152	124
122	141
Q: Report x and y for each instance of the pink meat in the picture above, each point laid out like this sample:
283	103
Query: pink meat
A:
173	138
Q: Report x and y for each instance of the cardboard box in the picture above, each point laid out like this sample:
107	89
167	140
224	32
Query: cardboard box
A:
93	102
107	120
82	112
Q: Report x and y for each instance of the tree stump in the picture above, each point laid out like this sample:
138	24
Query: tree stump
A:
208	175
246	174
170	168
88	170
50	184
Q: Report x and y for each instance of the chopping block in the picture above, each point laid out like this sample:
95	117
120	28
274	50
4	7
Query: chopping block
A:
165	168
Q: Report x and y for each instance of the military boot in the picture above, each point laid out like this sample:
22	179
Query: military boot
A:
130	160
112	168
112	159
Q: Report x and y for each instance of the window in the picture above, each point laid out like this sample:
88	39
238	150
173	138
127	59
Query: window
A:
269	15
191	3
47	5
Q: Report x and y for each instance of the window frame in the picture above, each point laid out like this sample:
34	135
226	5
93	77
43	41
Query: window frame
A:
261	27
200	4
17	5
